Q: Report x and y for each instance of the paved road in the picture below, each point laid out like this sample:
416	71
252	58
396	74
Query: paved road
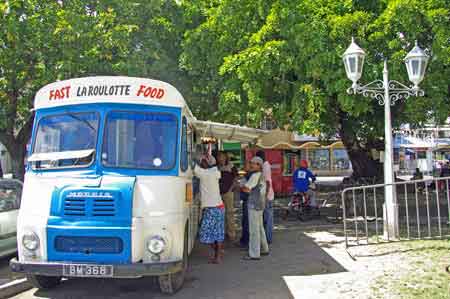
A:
294	254
6	275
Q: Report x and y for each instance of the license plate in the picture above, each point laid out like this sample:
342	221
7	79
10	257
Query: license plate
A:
80	270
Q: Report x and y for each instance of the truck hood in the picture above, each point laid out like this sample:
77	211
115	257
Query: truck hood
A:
108	199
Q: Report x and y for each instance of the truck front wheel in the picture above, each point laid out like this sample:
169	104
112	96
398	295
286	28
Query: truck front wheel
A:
43	282
171	283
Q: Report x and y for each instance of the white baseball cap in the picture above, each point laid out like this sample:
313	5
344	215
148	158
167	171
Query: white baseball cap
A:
257	160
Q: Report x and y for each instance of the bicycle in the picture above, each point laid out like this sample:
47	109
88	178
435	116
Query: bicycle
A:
300	206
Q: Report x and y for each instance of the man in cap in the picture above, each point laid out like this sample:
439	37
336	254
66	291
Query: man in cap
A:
302	178
256	187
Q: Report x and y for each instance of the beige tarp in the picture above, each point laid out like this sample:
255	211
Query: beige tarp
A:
227	132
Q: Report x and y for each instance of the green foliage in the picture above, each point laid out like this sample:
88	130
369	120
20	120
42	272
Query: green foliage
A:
45	41
286	55
233	60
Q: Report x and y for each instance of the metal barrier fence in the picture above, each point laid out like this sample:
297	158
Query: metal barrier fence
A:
423	208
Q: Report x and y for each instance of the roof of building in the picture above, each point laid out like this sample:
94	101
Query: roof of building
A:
287	140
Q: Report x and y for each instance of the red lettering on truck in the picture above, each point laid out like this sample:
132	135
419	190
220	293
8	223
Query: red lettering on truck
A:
59	93
150	92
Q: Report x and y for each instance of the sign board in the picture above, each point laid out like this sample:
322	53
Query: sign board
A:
231	146
108	89
302	137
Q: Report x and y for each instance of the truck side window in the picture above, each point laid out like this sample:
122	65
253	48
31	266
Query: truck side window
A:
184	146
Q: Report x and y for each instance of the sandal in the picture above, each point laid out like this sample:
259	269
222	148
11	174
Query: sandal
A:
249	258
213	258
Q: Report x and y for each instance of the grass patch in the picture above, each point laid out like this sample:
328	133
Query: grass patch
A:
420	273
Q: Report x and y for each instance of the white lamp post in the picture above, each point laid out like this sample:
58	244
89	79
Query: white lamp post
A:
387	93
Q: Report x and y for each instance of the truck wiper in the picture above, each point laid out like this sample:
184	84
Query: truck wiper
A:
82	120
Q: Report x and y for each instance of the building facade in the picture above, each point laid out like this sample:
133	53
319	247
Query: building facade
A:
285	149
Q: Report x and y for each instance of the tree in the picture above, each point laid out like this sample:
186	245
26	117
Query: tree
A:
22	69
232	60
225	28
288	57
155	44
45	41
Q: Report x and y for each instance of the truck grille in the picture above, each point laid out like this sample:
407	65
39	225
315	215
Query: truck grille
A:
77	205
88	245
104	207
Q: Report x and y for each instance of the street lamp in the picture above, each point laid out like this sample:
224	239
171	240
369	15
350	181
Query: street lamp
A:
416	63
387	93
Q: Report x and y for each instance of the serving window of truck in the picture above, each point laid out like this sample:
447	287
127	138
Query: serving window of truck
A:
108	190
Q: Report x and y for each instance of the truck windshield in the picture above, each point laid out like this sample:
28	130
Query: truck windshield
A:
140	140
62	140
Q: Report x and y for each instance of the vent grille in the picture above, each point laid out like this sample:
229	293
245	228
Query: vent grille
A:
76	205
104	207
88	245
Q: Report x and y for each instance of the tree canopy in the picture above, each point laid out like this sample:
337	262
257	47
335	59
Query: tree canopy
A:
233	60
285	55
45	41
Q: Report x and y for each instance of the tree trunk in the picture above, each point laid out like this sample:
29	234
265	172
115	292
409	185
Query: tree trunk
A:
363	164
17	147
17	152
18	162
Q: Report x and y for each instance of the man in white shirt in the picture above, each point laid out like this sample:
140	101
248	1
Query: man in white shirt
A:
268	211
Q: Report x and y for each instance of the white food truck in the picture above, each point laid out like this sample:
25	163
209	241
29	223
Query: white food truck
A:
109	188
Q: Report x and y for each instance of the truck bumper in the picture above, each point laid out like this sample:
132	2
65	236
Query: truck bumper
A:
120	271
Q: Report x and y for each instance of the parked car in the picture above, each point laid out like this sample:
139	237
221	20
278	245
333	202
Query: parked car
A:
10	194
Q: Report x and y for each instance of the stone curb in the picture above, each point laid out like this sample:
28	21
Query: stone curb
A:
14	287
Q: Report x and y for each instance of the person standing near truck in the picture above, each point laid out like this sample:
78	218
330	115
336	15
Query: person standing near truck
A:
256	188
212	231
268	211
245	235
228	176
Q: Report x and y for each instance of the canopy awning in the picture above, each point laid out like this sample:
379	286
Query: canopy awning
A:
413	142
228	132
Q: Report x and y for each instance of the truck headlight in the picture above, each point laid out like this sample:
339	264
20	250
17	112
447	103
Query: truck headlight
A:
156	245
30	241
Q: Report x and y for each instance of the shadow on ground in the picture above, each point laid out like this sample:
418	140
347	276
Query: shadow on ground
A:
293	254
5	274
